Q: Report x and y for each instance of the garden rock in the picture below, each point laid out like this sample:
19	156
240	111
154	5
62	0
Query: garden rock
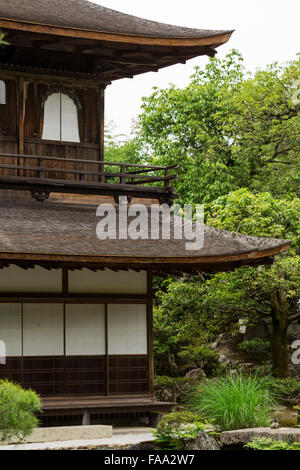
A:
203	442
242	436
195	374
144	446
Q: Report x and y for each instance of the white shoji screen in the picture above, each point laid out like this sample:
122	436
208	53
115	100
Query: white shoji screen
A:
10	328
85	330
43	327
127	329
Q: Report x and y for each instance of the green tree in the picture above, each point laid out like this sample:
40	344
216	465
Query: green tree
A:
193	310
265	131
262	215
227	130
187	127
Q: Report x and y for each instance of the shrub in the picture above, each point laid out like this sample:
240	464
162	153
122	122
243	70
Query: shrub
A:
203	357
17	411
173	389
234	402
284	389
256	348
176	429
263	443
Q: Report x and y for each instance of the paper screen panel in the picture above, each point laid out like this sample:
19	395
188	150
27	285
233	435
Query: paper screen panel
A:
43	326
85	330
127	329
69	116
51	130
11	328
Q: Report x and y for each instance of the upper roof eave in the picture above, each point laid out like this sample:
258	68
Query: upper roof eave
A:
216	39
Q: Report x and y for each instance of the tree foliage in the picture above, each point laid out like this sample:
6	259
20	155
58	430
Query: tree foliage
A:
193	312
228	130
235	137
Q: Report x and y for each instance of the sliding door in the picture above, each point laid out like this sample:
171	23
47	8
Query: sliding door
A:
43	348
76	349
85	362
127	349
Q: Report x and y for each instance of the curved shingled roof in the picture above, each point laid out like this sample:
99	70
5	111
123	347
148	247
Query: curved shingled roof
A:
66	231
85	15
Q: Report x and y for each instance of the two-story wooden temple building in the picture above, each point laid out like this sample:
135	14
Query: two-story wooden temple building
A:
76	311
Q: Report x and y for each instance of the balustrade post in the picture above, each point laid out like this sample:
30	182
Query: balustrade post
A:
123	175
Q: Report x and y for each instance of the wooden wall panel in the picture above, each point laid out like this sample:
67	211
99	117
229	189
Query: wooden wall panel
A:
45	375
12	370
12	129
8	127
65	151
63	375
30	111
93	118
10	146
128	374
8	111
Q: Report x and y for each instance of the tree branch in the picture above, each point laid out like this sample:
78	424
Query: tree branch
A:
294	317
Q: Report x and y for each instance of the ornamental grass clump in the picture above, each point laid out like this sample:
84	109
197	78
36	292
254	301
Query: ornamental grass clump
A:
234	402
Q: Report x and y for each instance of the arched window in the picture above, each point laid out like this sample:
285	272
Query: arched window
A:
2	92
60	119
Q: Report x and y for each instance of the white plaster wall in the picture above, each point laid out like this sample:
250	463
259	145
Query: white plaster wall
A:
15	279
107	282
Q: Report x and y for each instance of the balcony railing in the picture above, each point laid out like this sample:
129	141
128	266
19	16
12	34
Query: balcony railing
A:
45	174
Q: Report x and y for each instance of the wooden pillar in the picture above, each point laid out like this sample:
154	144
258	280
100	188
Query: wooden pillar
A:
106	353
101	112
150	332
21	115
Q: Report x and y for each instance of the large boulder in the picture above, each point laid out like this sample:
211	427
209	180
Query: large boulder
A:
195	374
242	436
144	446
203	442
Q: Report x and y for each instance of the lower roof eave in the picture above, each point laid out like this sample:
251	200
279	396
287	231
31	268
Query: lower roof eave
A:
178	264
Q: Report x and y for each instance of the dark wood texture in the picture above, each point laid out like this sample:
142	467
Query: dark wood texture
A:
79	375
128	375
78	37
60	173
113	405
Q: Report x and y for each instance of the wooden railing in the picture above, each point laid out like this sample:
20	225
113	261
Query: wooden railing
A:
31	171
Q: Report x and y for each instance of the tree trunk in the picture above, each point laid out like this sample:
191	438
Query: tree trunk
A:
280	321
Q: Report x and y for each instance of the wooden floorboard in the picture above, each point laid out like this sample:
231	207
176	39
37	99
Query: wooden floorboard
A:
102	404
